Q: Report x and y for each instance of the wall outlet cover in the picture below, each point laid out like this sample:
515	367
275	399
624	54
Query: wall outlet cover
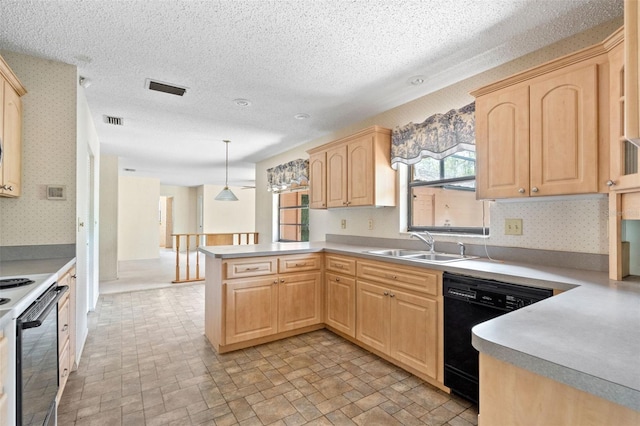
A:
513	226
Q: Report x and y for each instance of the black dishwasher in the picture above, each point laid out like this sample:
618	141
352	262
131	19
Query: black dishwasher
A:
468	301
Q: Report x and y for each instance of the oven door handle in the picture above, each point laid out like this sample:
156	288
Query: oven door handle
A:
61	290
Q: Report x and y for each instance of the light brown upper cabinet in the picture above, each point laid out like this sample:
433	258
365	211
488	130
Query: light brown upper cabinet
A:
632	72
10	132
545	131
318	175
357	169
625	155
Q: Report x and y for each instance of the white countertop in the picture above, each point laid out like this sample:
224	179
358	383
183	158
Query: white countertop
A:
43	272
587	337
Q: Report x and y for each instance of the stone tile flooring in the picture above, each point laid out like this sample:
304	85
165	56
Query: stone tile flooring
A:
147	362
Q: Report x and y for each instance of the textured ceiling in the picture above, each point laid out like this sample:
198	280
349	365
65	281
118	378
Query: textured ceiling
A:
338	61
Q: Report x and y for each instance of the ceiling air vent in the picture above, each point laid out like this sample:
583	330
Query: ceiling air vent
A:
172	89
116	121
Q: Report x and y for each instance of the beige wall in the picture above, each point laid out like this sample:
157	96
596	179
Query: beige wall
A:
48	155
138	234
228	216
108	217
391	222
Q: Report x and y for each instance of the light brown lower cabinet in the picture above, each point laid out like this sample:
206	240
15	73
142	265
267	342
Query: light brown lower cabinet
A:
66	328
264	306
399	324
4	370
340	287
512	396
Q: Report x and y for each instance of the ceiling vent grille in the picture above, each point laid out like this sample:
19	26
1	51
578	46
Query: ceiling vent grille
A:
165	87
116	121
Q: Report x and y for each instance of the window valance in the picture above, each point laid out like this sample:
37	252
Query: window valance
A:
287	176
438	136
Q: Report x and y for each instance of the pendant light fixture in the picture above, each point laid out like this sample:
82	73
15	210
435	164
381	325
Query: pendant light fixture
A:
226	194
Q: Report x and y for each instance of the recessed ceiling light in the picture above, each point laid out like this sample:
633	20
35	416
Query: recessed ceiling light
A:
242	102
416	80
301	116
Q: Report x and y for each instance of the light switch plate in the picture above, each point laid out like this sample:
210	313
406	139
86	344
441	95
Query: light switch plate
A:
513	227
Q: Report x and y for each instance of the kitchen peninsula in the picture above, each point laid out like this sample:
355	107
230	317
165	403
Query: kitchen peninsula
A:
583	338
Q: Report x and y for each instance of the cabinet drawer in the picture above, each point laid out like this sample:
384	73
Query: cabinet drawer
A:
417	279
250	267
63	322
345	265
299	263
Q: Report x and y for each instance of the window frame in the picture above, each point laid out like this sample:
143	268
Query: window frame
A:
441	183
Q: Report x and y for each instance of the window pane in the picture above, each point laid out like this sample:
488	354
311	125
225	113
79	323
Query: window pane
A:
443	207
460	164
293	217
290	233
426	170
443	195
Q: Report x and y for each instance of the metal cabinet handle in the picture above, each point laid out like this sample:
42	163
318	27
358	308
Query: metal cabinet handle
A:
534	189
521	190
386	293
74	276
65	328
300	264
8	188
252	269
65	373
282	280
611	183
392	295
337	279
275	281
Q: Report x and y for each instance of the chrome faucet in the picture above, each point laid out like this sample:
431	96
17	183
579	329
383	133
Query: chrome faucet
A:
428	240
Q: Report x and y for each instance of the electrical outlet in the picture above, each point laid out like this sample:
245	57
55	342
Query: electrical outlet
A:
343	224
370	224
513	227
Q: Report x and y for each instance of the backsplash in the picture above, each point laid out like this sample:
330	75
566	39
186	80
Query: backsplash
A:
575	224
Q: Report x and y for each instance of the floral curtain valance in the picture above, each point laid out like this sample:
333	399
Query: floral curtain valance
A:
291	175
438	136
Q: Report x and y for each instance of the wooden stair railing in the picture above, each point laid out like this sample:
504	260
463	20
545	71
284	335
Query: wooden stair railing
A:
192	244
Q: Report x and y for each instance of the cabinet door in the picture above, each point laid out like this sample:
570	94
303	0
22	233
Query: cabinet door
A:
625	156
337	177
299	301
64	369
341	303
632	72
318	181
251	309
502	144
360	165
564	133
11	166
63	322
372	316
414	331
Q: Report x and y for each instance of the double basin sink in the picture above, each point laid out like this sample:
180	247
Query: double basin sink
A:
422	256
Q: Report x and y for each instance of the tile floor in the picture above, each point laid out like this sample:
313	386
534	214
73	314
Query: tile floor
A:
147	362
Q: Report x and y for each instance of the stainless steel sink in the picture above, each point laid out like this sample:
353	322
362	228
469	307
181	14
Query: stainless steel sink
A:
396	252
421	256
